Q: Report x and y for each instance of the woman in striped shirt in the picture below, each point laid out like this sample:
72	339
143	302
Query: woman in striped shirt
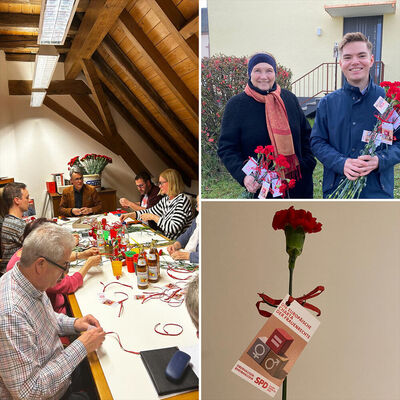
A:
173	213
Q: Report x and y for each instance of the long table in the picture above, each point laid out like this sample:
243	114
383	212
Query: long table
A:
117	374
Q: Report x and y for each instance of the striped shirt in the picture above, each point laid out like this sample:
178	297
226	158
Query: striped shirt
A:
11	238
33	364
175	215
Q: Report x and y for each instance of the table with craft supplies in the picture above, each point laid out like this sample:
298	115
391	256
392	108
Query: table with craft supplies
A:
152	318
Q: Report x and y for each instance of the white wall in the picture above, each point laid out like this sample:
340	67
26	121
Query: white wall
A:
36	142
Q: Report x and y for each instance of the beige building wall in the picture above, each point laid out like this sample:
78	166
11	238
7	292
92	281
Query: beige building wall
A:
288	29
36	142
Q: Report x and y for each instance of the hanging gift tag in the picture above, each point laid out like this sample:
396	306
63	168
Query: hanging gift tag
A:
381	104
276	184
366	136
272	353
264	190
395	120
250	166
387	133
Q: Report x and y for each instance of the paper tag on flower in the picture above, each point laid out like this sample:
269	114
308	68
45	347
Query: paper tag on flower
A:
395	120
264	190
387	133
250	166
381	104
275	185
271	176
272	353
366	136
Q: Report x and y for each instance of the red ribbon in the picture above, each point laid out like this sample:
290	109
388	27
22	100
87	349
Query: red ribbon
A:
302	300
166	333
120	344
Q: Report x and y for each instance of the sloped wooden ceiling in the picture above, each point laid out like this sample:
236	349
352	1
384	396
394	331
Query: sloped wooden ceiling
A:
140	56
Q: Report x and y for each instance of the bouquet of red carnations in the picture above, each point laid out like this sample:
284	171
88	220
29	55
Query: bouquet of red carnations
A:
267	170
90	163
386	124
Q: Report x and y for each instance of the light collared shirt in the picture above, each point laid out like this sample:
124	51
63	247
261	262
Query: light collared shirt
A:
34	365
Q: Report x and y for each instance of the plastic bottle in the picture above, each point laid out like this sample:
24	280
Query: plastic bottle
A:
100	239
124	238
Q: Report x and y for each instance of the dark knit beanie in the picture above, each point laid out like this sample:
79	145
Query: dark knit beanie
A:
260	58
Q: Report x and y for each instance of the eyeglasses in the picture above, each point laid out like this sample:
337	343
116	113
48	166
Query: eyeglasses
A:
141	185
65	269
162	183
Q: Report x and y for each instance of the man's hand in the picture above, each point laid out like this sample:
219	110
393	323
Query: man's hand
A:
373	163
181	255
353	167
251	185
81	324
124	202
132	215
92	339
86	210
76	211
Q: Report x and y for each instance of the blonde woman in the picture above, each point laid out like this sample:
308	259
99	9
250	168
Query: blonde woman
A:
173	213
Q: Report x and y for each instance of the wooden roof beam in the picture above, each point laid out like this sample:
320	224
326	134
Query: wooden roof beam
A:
99	18
99	98
158	63
82	5
27	57
74	120
191	28
173	20
156	100
56	87
151	142
109	75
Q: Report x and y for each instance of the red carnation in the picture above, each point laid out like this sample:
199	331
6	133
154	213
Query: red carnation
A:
292	184
281	161
296	218
269	149
259	150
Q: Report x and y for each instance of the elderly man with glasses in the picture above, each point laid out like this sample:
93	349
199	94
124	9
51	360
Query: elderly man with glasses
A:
34	364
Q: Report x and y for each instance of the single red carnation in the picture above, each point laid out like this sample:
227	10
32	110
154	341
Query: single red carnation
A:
281	161
259	150
269	149
296	218
292	184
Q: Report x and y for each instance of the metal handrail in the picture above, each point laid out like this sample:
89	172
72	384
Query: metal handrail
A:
324	78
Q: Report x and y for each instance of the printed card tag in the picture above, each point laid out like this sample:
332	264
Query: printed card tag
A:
366	136
387	133
249	166
276	184
381	104
395	120
272	353
264	190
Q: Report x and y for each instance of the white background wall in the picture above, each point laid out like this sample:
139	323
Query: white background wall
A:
36	142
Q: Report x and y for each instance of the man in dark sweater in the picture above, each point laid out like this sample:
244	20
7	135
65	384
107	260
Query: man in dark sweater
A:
148	191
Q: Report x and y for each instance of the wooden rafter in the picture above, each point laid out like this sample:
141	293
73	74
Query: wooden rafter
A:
125	97
156	146
20	87
27	57
110	76
191	28
99	98
9	43
134	74
100	16
27	23
173	20
82	5
158	63
74	120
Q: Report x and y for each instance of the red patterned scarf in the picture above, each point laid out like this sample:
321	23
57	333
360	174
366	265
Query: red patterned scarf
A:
278	129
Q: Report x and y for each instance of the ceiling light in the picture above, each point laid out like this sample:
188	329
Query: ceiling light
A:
55	20
45	64
37	98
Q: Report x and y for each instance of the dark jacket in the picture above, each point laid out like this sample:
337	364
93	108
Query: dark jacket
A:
341	118
244	128
90	199
184	239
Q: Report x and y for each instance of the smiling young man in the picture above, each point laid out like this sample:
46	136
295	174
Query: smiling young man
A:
16	200
341	118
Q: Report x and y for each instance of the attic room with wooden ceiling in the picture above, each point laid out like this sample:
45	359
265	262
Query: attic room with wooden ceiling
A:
122	81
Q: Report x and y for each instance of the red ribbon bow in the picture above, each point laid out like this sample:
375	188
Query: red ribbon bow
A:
302	300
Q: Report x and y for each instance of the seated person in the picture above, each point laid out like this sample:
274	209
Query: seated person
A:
79	199
173	213
192	300
149	193
34	363
189	239
70	283
16	201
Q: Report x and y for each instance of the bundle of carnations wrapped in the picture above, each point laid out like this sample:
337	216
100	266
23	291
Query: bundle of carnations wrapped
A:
267	171
386	124
90	163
